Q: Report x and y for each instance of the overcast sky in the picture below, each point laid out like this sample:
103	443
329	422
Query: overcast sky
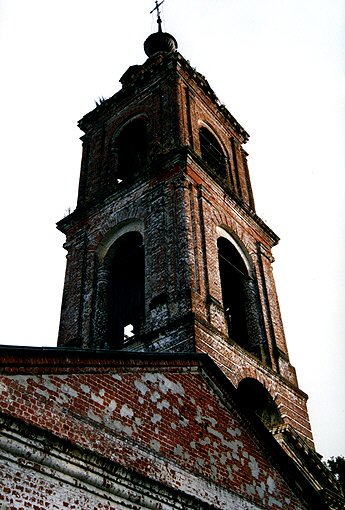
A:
278	67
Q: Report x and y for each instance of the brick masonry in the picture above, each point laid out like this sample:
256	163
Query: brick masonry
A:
170	418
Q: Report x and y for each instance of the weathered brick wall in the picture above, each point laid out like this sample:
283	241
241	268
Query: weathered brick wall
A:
164	419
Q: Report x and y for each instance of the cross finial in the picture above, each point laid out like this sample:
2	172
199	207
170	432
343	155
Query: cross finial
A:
159	21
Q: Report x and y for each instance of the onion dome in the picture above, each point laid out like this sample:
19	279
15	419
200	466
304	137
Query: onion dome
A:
159	42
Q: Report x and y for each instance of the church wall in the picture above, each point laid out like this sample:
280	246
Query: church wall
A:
161	418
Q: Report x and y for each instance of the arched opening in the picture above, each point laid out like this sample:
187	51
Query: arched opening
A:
211	152
126	289
131	146
256	398
241	301
233	273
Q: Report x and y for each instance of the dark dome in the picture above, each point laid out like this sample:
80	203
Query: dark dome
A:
159	41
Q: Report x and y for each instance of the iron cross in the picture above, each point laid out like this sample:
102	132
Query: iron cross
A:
159	21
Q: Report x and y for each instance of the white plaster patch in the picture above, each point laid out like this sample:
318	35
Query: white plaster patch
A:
85	389
250	489
141	400
164	404
111	407
231	476
173	426
48	383
214	470
155	397
97	399
93	416
140	386
164	383
223	459
234	432
273	501
260	489
102	392
120	427
214	432
43	393
254	467
187	456
271	485
21	379
117	377
126	412
156	418
184	422
62	398
178	450
3	388
205	441
69	391
155	445
213	460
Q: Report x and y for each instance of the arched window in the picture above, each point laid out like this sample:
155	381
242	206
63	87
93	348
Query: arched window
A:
256	398
241	301
131	146
212	153
126	288
233	273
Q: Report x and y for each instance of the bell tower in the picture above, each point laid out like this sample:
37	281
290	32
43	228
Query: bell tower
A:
165	250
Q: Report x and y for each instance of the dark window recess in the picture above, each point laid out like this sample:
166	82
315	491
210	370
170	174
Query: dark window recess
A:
126	289
233	274
131	146
258	400
211	152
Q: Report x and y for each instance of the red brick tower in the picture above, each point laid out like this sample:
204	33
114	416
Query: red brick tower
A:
165	250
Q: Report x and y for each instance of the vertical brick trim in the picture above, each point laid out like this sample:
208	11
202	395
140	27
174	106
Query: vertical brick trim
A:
102	162
100	314
181	202
231	173
83	339
160	126
237	177
73	295
267	310
194	239
247	177
189	118
84	170
203	247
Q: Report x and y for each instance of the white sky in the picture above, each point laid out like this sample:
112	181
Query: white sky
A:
278	67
